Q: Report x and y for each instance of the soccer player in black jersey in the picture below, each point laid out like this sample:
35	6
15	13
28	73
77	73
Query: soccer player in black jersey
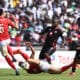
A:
77	48
76	60
53	33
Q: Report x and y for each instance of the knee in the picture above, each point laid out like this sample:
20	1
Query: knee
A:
4	52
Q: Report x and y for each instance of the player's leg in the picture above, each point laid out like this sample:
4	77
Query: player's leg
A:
64	68
46	51
76	60
49	52
23	54
11	53
42	53
9	61
4	51
58	70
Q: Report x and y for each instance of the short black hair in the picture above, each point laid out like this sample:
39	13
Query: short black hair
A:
1	11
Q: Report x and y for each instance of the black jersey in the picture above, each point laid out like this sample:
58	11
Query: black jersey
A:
51	38
52	35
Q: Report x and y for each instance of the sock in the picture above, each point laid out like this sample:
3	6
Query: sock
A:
10	51
74	68
66	67
16	51
25	56
10	62
48	58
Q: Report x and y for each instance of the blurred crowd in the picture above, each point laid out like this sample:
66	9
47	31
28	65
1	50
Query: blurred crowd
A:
36	15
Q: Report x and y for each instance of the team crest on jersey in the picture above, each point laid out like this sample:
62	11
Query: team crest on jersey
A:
50	33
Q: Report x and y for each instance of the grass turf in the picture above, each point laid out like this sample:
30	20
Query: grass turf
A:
8	74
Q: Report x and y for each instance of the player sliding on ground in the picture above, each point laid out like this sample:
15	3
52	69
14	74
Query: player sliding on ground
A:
35	65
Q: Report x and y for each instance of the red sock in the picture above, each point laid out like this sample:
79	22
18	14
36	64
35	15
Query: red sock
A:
25	56
66	67
10	51
10	62
16	52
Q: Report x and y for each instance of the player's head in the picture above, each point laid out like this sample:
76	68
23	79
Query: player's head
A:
55	22
1	11
24	65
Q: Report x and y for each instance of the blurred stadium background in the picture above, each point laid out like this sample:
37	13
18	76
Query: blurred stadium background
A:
36	15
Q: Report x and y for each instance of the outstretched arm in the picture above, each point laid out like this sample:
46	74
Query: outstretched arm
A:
13	21
28	44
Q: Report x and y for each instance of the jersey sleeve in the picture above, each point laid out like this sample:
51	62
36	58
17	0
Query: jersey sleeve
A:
11	23
44	31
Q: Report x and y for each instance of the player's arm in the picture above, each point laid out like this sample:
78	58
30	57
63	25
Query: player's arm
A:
13	23
63	36
32	49
44	31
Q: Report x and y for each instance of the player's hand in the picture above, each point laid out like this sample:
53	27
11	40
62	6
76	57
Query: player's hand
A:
28	43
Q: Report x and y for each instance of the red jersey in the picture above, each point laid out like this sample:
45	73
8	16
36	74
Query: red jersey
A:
34	68
4	25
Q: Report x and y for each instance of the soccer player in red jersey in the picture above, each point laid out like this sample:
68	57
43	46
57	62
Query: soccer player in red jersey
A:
5	38
32	68
37	66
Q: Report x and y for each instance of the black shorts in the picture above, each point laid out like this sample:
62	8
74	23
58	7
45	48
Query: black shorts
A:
74	45
46	49
27	36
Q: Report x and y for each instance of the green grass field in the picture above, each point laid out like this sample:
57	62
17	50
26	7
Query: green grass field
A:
8	74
